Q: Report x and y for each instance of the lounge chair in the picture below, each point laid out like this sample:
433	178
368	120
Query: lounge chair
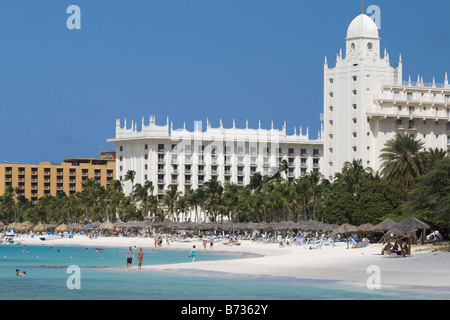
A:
317	244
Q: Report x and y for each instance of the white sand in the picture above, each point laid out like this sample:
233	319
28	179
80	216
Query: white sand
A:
424	270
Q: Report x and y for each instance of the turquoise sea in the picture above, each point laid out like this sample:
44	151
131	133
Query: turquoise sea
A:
103	276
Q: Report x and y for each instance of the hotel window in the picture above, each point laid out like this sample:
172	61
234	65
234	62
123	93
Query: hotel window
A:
315	163
146	146
146	156
411	109
120	148
354	120
331	94
399	108
303	152
355	78
355	92
331	80
355	106
354	148
354	134
409	96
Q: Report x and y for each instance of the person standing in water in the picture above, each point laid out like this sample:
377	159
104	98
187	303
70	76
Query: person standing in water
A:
130	257
140	258
193	253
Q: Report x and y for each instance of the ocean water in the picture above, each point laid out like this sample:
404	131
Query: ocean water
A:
103	276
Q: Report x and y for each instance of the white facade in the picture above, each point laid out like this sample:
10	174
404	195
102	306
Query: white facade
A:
190	158
366	103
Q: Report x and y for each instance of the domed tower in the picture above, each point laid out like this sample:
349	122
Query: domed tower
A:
349	91
362	38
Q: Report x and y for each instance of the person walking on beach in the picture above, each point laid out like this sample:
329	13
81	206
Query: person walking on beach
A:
211	242
140	258
193	253
130	257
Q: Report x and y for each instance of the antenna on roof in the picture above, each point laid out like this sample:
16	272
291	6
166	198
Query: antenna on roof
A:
362	6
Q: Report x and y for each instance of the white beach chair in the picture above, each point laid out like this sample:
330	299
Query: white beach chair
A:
317	244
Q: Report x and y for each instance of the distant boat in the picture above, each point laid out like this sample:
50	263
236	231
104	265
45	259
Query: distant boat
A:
9	240
50	237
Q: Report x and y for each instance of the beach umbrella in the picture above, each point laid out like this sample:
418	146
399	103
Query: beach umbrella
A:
385	225
51	227
40	228
399	232
119	225
74	227
413	223
107	225
91	226
366	228
20	227
13	226
61	228
330	227
27	226
346	229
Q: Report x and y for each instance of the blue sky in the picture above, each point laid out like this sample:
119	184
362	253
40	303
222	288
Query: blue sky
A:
61	90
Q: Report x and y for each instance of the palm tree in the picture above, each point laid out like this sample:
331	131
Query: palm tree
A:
313	180
114	194
130	175
283	167
402	160
213	191
170	199
230	199
433	156
353	173
303	191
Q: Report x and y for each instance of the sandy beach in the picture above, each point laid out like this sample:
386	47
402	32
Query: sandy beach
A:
425	271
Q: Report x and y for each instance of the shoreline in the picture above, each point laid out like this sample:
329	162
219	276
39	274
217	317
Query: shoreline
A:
425	271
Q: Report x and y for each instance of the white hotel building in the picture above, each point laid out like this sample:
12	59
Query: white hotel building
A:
189	158
366	102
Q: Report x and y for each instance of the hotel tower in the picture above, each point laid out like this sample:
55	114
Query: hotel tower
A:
366	102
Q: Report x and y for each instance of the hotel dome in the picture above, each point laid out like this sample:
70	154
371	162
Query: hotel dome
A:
362	27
